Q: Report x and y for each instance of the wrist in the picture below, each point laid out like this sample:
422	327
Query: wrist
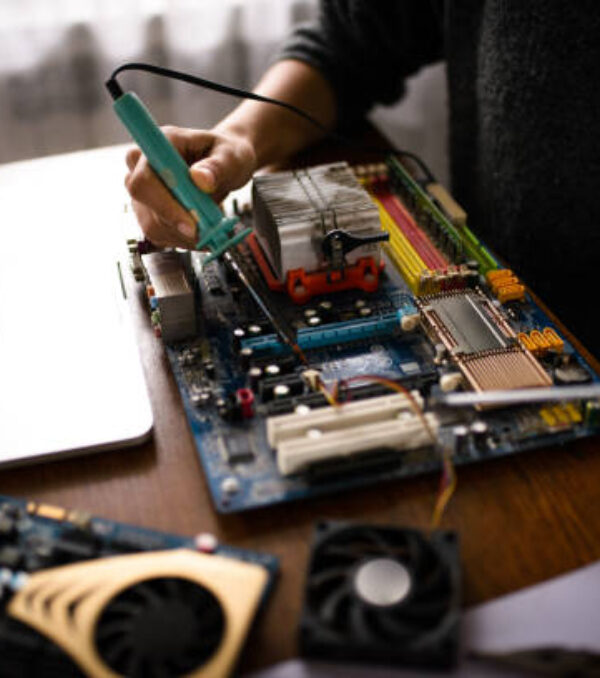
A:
246	135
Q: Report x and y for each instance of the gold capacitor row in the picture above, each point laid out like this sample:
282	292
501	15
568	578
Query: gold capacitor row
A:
541	342
561	415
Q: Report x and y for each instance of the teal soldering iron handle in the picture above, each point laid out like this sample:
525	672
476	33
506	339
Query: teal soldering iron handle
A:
214	230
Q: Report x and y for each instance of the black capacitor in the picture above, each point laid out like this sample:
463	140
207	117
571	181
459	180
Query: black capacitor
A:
294	386
272	370
7	527
479	431
236	338
461	439
221	405
281	391
209	369
325	307
254	330
245	355
285	364
231	410
254	377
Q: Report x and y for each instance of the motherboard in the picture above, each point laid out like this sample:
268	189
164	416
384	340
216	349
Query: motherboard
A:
391	300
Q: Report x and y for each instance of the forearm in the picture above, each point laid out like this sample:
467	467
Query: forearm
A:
274	132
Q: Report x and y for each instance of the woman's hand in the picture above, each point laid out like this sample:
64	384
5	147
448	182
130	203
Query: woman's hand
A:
219	162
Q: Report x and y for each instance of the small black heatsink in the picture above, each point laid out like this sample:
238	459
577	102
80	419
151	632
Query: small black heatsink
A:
382	594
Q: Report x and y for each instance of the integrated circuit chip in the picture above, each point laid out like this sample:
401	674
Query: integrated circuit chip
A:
237	449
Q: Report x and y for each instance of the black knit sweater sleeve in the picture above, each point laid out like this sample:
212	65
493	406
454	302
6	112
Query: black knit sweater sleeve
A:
366	49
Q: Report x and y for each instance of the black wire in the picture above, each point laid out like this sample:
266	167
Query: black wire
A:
244	94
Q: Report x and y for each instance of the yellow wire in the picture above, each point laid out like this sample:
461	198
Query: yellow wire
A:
328	396
445	495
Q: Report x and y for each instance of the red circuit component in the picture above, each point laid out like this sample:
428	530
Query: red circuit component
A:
245	399
414	233
301	286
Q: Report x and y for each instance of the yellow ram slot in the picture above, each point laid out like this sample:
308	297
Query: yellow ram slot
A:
405	256
402	253
403	263
409	254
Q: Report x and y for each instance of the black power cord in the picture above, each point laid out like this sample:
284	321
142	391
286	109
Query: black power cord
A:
116	91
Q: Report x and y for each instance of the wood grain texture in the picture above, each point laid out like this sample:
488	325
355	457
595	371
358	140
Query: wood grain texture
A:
520	519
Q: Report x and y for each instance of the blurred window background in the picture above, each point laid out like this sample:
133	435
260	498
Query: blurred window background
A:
56	54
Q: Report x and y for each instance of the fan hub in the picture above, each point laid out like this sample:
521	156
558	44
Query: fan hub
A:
383	582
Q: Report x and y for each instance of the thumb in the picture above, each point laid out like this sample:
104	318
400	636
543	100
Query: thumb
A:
204	175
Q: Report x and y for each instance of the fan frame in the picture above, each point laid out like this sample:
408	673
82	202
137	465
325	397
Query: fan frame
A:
435	648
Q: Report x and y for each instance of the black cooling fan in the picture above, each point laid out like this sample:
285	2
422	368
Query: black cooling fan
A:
160	627
382	594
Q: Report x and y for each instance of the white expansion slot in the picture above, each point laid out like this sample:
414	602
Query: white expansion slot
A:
313	436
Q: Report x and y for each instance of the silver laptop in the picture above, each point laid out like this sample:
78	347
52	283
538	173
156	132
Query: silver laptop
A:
70	375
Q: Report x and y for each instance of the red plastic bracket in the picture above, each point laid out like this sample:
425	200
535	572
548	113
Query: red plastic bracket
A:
302	286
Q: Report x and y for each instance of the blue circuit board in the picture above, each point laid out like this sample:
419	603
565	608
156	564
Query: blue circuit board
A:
72	535
240	465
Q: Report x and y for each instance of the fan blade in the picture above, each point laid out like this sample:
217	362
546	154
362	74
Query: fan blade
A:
135	667
416	553
348	551
425	611
208	616
117	652
361	544
432	584
172	588
360	626
327	576
148	595
124	608
393	627
380	545
110	629
328	610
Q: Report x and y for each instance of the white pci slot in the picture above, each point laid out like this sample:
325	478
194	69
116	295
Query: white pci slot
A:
387	422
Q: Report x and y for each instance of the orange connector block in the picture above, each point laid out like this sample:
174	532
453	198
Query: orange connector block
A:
553	338
506	285
526	340
542	345
539	343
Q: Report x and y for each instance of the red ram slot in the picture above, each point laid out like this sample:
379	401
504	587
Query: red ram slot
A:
416	236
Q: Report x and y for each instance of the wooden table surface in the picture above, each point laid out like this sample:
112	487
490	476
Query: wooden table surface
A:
521	519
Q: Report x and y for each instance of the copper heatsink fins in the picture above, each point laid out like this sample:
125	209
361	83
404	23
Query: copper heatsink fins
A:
480	341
